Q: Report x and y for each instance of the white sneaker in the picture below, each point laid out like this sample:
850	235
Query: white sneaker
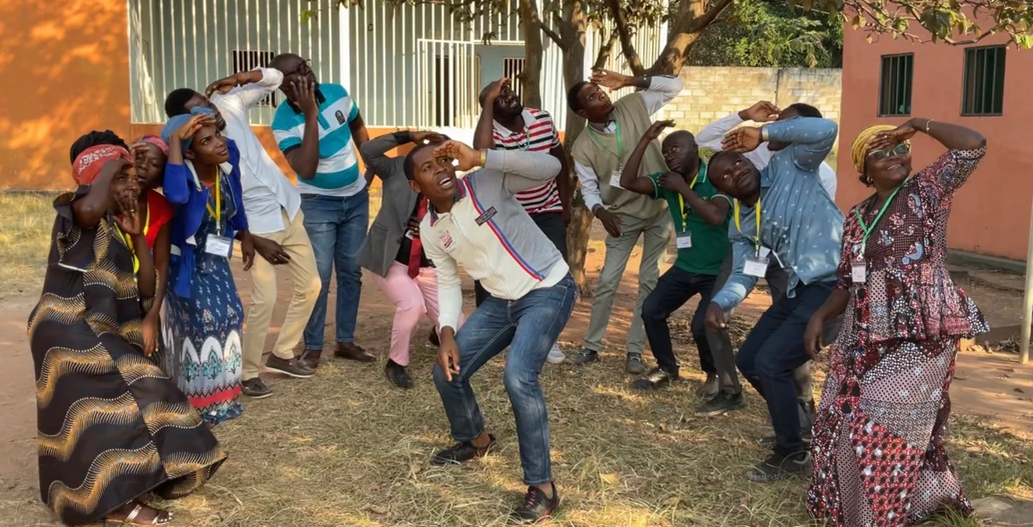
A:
556	355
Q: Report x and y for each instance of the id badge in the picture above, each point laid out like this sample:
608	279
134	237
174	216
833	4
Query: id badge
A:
684	240
756	267
219	246
764	251
408	234
859	271
615	179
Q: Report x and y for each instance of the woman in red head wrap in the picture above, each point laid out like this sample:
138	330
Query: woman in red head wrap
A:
150	154
112	427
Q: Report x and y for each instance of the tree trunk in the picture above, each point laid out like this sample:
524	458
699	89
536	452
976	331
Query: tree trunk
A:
580	217
532	74
672	58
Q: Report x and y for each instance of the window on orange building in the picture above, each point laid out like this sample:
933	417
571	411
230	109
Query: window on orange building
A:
984	81
895	86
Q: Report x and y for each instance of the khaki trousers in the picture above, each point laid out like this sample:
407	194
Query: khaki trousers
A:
302	267
655	233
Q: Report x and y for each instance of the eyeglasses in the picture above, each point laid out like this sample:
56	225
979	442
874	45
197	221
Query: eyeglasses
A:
900	150
304	67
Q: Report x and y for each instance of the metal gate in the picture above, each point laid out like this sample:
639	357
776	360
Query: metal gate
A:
448	72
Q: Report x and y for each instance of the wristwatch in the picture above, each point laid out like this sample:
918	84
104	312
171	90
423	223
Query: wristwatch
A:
764	133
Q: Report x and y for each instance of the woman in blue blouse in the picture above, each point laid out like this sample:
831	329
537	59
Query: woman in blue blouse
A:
202	182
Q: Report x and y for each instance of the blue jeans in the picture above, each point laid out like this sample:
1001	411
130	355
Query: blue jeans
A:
529	326
337	230
773	350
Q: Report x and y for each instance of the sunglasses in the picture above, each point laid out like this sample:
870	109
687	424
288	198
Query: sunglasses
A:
899	150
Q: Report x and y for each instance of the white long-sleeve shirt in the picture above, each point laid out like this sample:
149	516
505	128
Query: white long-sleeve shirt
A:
711	136
661	91
266	189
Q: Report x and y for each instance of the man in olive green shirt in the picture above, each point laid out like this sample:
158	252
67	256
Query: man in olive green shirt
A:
700	215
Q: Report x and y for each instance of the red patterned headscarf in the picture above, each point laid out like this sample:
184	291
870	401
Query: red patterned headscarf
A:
88	165
153	140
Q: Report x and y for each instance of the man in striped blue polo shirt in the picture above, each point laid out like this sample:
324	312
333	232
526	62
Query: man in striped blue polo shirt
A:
315	129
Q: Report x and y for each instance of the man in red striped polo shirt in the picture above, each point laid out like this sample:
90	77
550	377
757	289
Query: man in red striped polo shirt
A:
506	125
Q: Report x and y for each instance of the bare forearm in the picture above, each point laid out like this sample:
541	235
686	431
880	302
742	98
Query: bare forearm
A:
835	305
305	158
712	212
949	135
146	277
482	136
630	179
359	133
89	209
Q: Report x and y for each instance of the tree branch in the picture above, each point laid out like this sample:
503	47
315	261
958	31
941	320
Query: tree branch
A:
702	22
605	51
620	20
553	36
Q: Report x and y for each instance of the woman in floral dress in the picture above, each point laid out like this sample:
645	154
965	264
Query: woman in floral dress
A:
878	447
204	313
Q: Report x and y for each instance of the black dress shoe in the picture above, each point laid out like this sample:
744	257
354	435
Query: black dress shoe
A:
657	378
460	453
397	374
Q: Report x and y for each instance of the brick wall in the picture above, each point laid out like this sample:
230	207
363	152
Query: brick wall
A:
714	92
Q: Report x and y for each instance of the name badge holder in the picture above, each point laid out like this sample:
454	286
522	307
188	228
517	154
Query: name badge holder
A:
684	238
218	245
615	178
859	267
859	270
756	265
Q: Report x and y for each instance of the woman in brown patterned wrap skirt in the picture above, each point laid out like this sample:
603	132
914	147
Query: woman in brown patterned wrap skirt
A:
112	427
878	450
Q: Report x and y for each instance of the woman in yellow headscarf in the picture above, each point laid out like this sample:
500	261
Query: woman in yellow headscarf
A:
878	441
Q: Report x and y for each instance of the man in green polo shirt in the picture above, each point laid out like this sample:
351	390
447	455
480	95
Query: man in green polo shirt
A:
700	217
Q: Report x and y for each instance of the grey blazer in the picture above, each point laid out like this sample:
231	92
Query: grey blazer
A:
397	204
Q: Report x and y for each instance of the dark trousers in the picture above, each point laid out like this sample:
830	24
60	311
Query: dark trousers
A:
551	223
674	288
773	350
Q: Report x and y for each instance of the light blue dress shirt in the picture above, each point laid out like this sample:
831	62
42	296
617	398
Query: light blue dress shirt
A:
800	224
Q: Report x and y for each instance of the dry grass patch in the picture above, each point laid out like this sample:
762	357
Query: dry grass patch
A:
27	219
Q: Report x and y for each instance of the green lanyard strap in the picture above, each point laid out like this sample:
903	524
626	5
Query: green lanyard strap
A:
620	146
868	230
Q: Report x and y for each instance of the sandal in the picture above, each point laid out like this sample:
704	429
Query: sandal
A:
161	518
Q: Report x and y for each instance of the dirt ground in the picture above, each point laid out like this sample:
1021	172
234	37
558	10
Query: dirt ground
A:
989	385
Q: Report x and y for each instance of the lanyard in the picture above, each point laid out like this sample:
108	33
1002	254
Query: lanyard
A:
756	240
681	199
868	230
217	213
620	146
129	240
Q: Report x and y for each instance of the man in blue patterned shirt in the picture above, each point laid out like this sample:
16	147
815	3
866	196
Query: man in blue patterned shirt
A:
782	212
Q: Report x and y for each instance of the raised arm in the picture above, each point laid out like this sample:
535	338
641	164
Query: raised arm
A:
520	170
658	90
712	134
965	146
302	151
374	152
523	170
245	89
88	210
483	136
630	178
811	139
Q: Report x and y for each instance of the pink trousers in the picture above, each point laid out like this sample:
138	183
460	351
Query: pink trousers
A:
412	298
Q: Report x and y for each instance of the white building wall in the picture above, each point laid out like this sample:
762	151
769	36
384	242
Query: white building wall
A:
406	65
